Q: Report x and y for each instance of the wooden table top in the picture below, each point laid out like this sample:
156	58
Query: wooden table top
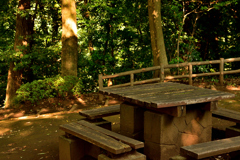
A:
168	94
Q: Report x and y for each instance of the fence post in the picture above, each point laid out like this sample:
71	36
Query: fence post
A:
162	73
221	68
100	81
190	73
131	79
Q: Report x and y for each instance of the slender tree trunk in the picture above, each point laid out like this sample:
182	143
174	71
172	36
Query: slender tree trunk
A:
69	38
24	28
157	39
55	23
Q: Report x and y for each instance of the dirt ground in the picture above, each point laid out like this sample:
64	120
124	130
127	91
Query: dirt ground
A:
31	133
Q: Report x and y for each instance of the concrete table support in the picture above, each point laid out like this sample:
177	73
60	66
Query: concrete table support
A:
132	121
163	134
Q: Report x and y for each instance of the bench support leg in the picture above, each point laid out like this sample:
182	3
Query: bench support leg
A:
70	148
133	155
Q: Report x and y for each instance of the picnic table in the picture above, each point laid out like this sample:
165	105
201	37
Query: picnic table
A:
166	116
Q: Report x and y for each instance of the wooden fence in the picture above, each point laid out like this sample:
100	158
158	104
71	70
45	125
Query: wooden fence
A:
162	77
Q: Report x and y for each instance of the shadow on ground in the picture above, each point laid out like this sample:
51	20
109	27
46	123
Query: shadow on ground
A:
35	137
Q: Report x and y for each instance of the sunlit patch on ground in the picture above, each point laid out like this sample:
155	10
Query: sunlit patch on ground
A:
233	88
81	101
3	130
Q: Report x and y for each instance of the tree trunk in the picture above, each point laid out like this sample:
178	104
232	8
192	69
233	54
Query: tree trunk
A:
24	29
69	39
157	39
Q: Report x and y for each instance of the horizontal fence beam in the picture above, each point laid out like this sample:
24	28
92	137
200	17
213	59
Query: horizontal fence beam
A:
162	67
132	72
232	60
135	83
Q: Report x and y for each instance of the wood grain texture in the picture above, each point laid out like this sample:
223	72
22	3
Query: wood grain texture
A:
161	95
129	141
101	112
95	137
208	149
227	114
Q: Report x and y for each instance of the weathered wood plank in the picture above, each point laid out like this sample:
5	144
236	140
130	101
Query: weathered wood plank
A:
101	112
129	141
168	100
227	114
208	149
97	138
124	90
160	95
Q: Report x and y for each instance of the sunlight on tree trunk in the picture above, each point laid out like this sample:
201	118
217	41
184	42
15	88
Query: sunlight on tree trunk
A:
69	39
24	28
157	39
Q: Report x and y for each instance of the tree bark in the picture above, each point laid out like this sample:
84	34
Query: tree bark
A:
69	39
24	29
157	39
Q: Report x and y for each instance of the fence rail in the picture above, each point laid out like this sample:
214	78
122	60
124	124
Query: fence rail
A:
162	76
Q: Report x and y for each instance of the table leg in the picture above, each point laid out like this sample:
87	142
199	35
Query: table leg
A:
164	134
131	121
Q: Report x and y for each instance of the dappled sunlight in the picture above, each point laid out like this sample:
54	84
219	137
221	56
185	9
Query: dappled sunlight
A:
19	114
26	133
169	77
28	123
189	139
81	101
233	88
70	24
24	42
9	114
230	100
3	130
5	111
58	115
155	14
25	117
191	136
69	64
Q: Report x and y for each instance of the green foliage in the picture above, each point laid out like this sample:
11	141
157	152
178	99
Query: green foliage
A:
114	37
49	88
119	33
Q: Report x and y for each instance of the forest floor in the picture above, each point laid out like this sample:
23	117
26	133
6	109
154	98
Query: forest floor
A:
31	132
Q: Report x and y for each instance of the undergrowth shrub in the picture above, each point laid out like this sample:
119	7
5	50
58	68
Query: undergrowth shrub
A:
49	88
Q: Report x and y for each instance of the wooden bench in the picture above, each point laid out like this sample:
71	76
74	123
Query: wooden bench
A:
97	142
229	115
96	115
213	148
99	113
209	149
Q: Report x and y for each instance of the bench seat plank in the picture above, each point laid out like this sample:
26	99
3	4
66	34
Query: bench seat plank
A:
208	149
101	112
227	114
135	144
99	139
